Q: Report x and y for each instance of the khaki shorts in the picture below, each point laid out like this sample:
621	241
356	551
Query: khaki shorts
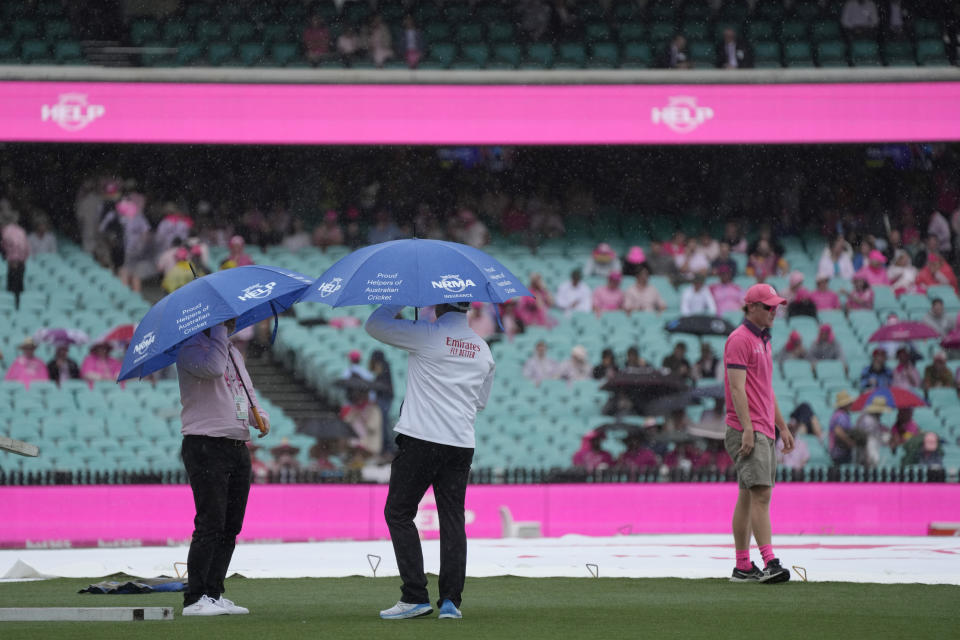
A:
759	469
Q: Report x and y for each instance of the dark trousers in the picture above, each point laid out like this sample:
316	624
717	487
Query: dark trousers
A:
15	273
418	465
219	472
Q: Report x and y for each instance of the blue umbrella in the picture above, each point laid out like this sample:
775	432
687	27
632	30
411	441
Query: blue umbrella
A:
249	294
415	273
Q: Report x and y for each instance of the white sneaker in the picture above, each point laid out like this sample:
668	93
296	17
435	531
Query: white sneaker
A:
403	610
231	608
205	606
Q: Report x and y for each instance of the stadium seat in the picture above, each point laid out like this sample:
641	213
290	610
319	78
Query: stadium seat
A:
284	53
924	29
865	53
278	33
35	51
832	53
175	32
437	32
68	52
469	33
931	53
632	31
252	53
604	55
797	54
240	32
501	32
507	54
24	28
440	55
56	30
540	54
636	55
695	31
793	31
899	54
766	54
824	30
9	52
661	32
571	55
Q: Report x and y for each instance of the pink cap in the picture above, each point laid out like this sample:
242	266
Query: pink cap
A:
615	276
330	216
764	294
236	242
354	356
181	253
353	213
796	278
636	255
876	256
111	187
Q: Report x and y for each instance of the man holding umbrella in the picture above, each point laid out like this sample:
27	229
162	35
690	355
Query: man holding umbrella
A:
450	374
753	417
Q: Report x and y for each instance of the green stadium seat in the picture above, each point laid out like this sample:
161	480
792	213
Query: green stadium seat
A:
143	31
662	12
283	53
437	32
175	32
695	31
760	30
240	32
766	54
441	54
832	53
604	55
571	55
931	53
661	32
927	30
507	54
825	30
9	53
597	32
636	55
865	53
793	31
252	53
475	54
24	28
68	52
899	54
219	53
469	33
501	32
209	31
541	53
54	30
278	33
35	51
797	54
702	53
632	31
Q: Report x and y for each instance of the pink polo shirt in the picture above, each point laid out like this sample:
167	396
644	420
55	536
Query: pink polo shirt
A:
748	348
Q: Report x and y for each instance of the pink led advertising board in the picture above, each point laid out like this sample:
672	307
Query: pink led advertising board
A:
454	114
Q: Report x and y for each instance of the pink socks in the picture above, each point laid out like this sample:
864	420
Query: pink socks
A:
743	559
766	552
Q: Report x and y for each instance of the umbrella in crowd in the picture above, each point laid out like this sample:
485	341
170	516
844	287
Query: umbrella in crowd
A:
356	383
122	333
249	294
415	273
61	336
904	331
895	398
327	427
700	326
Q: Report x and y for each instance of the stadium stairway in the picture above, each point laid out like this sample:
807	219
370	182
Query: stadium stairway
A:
278	384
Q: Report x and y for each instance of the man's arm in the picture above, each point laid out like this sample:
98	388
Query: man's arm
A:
205	358
485	389
737	379
387	328
785	434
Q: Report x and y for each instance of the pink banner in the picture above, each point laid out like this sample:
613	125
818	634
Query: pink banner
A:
159	515
417	114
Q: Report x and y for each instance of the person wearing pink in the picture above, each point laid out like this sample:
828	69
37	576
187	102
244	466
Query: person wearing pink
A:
637	455
862	295
903	428
795	289
98	366
727	294
237	255
27	368
643	296
822	297
875	272
16	249
216	418
935	272
328	233
753	417
608	297
591	456
316	40
535	310
905	374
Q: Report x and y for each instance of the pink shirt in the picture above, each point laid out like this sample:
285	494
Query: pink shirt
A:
748	348
94	369
209	388
727	296
607	299
16	248
26	370
824	299
874	276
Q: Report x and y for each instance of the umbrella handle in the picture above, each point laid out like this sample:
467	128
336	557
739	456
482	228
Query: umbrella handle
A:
256	417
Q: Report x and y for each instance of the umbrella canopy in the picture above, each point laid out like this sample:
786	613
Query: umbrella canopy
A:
415	273
895	397
666	405
356	383
700	326
327	427
61	336
651	384
249	294
120	333
903	331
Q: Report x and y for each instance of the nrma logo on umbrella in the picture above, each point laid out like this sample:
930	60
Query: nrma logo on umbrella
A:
452	283
255	291
141	347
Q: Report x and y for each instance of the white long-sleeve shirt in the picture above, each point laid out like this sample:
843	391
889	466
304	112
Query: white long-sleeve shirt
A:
449	374
574	298
693	302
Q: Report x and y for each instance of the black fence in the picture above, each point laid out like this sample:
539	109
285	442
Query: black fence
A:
519	475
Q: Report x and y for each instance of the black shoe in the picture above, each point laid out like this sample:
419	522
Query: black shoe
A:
753	575
774	573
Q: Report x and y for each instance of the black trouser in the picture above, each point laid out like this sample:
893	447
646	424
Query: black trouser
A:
219	472
15	273
417	465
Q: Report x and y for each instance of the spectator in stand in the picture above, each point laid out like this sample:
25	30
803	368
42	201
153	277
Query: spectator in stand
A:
733	236
660	262
515	221
896	20
940	229
877	373
298	238
733	52
328	233
366	419
27	367
634	261
537	308
836	260
676	55
902	273
512	325
607	367
173	225
258	468
793	349
316	40
799	456
471	230
137	241
860	19
98	366
676	245
481	320
927	451
413	46
576	367
634	364
237	254
87	210
922	251
111	228
62	367
903	428
709	247
602	262
591	455
285	463
938	374
638	455
16	250
938	319
540	366
840	443
707	366
874	272
935	272
643	296
384	229
692	262
41	240
795	289
822	297
608	297
905	374
860	258
723	260
764	263
805	421
355	368
349	46
180	272
379	41
862	295
677	364
696	299
868	432
426	224
826	347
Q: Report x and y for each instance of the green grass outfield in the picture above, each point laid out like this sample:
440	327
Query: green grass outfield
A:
524	608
